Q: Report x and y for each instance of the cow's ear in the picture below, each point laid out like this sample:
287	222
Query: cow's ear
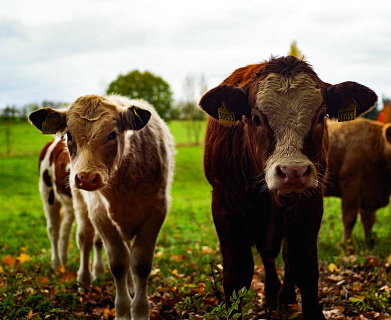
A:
387	132
134	118
349	94
48	120
229	97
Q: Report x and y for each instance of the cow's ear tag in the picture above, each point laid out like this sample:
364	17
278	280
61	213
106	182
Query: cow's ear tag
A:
48	128
347	114
136	114
226	115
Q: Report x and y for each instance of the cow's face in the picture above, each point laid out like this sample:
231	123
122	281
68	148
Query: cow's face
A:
284	116
288	109
96	132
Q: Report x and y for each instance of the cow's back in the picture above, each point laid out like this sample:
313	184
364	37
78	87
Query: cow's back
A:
150	153
357	163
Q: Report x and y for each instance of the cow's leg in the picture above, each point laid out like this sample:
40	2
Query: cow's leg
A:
287	294
141	259
65	231
368	218
350	209
98	268
117	254
84	235
129	277
272	282
53	222
235	247
302	256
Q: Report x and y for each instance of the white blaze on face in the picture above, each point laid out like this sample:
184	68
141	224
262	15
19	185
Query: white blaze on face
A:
289	105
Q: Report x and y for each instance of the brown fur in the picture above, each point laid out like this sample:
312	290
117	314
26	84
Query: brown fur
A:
55	194
121	159
245	211
360	171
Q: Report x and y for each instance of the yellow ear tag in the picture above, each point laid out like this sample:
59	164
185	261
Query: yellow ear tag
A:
226	115
136	114
48	128
347	114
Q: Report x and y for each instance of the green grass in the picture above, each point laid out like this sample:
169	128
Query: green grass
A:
187	243
189	220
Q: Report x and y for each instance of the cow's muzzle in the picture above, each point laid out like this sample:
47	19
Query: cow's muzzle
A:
88	181
295	178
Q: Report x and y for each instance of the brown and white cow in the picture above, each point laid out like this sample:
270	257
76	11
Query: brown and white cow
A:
56	194
122	159
265	157
54	169
359	164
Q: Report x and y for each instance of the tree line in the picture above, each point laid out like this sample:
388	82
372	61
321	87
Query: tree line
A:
135	85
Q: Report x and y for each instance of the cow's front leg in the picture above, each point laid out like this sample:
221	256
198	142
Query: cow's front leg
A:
118	258
65	230
53	221
98	268
235	247
84	236
368	218
141	260
272	283
350	208
287	294
302	259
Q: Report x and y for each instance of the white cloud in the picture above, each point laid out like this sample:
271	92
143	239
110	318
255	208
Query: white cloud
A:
60	50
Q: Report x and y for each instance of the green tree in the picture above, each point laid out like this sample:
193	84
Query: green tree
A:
294	51
146	86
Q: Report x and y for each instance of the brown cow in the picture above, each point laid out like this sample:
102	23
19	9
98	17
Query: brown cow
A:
359	171
122	159
265	157
54	168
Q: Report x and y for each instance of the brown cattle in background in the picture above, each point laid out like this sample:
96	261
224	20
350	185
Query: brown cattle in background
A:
265	156
359	171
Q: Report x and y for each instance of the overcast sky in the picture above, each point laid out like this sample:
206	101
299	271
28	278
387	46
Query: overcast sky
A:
60	50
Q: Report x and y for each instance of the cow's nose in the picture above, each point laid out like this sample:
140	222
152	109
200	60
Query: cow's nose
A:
296	177
88	181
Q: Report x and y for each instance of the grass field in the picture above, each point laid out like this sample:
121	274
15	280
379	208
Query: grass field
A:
186	247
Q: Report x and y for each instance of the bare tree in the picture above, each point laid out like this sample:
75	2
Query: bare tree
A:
190	112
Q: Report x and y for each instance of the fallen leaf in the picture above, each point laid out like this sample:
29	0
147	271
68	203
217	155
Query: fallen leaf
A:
335	277
30	314
108	312
43	280
333	267
68	277
23	258
8	260
62	269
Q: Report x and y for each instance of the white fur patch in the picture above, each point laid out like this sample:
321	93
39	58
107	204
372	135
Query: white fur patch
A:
289	105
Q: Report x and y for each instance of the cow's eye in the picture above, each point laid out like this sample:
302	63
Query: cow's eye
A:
69	137
321	117
112	136
257	120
